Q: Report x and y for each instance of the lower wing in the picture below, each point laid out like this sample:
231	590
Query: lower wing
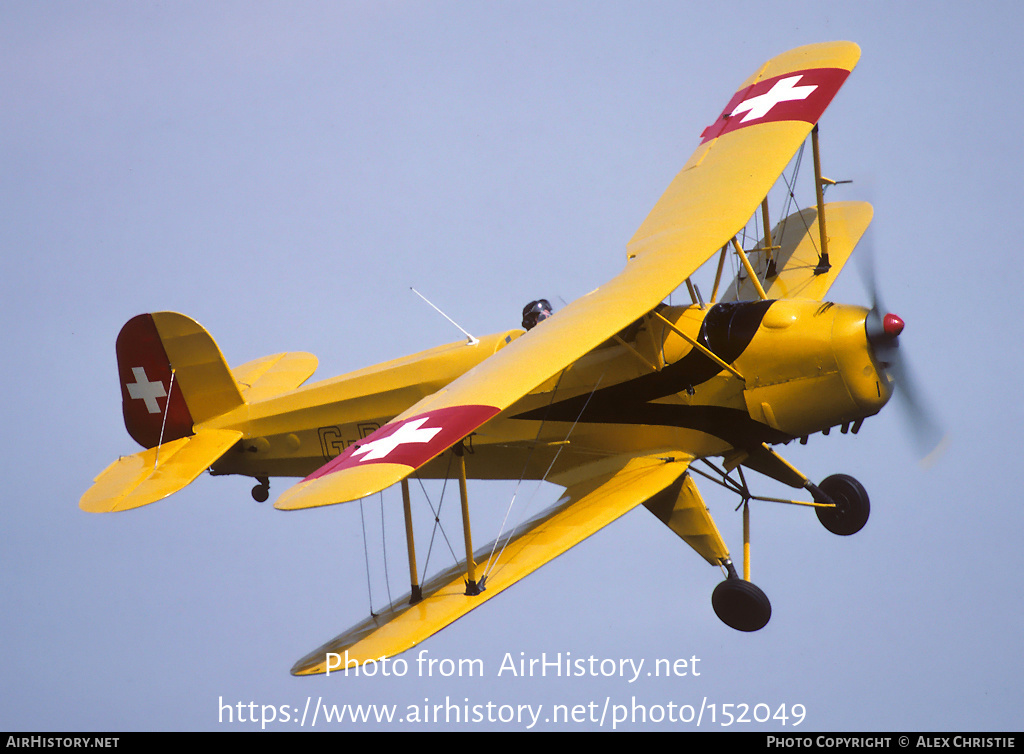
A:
617	486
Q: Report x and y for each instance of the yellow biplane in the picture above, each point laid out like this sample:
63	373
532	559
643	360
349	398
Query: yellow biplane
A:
615	397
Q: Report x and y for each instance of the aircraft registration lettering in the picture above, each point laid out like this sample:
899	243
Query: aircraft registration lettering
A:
333	441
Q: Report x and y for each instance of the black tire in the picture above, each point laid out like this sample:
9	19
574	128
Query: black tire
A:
852	505
260	493
741	605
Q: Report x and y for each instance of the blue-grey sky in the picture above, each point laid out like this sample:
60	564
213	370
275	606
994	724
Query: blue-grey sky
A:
283	172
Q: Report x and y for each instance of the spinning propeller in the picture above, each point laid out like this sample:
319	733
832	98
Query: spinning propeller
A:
883	332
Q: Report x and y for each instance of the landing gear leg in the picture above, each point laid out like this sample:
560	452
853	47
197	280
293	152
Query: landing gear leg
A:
840	502
261	491
738	602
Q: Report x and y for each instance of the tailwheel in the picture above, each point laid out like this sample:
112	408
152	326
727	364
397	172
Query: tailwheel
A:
741	605
261	491
852	507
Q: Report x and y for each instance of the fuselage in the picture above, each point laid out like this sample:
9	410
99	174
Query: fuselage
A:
798	367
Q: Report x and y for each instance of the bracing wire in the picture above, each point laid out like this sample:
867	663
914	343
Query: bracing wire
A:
791	197
790	202
791	183
526	465
384	548
494	561
163	422
437	519
366	557
384	555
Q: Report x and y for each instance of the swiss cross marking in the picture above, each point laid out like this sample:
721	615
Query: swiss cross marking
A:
784	90
143	389
407	433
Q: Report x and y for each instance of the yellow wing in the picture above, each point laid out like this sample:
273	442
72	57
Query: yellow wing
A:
797	256
741	155
619	485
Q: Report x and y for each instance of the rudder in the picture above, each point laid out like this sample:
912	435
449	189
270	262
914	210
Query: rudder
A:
173	376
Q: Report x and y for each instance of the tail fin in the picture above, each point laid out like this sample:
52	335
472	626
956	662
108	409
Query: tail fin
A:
173	376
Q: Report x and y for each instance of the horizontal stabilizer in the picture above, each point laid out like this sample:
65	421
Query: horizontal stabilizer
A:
582	510
151	475
273	375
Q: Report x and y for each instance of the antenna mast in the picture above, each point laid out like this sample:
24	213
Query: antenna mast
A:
470	340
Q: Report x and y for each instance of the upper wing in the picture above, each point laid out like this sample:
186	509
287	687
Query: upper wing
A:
741	155
617	486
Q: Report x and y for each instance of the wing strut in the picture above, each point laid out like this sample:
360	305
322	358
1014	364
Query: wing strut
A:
642	359
718	275
767	246
416	593
750	269
472	587
819	184
608	489
702	348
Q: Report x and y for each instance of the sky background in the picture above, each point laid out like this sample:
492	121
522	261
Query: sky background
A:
283	172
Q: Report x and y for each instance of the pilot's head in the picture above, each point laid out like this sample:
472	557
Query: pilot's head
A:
535	311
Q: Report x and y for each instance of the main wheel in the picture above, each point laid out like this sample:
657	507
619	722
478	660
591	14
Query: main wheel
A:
741	605
852	505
